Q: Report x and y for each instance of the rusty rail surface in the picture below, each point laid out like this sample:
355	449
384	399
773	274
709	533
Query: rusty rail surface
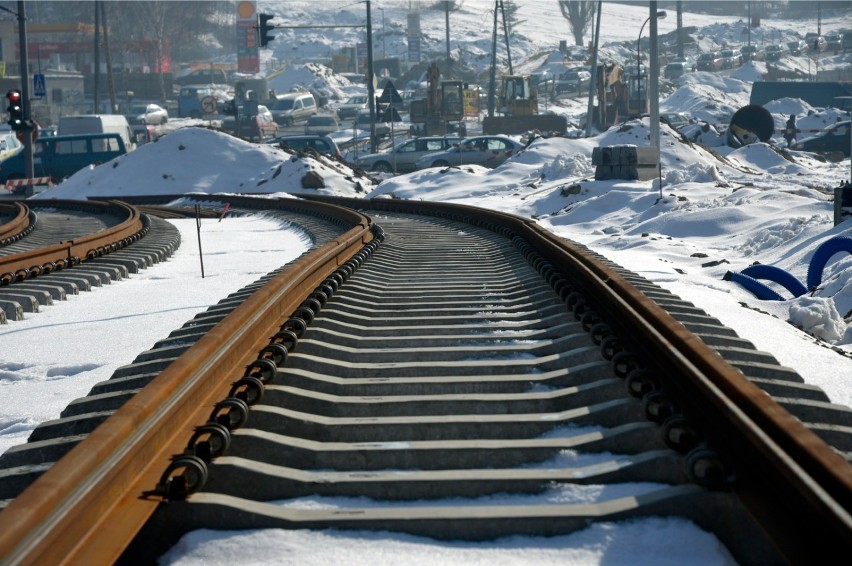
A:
87	508
24	265
20	220
796	485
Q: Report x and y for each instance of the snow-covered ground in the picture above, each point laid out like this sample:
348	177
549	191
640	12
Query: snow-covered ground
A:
719	209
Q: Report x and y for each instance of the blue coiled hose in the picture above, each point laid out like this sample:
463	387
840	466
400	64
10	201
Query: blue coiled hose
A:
821	256
748	277
751	284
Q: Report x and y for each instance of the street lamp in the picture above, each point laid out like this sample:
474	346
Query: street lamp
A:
661	15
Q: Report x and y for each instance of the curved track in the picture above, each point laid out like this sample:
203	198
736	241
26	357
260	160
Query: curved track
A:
432	353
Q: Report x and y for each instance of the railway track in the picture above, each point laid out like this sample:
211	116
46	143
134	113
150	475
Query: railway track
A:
431	353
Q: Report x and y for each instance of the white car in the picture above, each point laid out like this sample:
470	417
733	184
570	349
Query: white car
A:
148	114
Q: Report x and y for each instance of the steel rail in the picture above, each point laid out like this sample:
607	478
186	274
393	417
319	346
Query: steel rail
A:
24	265
796	485
19	222
87	508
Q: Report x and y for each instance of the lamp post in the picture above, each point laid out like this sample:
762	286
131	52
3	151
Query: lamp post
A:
661	14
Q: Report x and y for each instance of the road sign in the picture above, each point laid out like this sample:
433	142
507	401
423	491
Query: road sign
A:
209	105
39	89
390	115
413	49
390	95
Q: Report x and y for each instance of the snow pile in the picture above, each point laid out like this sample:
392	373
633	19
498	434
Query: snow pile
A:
311	77
185	162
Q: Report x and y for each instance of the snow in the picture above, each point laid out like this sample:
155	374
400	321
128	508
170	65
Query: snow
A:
719	209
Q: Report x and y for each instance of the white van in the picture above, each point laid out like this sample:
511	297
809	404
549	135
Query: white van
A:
288	109
97	124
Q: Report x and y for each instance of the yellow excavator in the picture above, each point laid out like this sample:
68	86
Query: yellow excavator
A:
443	106
517	101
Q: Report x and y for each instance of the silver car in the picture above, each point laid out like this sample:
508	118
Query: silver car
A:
487	151
402	158
148	114
321	124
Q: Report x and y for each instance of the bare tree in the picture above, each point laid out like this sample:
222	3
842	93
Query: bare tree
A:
511	10
178	23
579	16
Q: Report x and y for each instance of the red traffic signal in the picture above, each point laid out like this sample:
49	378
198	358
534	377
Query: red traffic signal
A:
15	110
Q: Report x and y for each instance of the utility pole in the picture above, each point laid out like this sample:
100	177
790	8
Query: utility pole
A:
654	79
447	25
492	81
97	75
593	84
506	35
371	91
25	95
113	104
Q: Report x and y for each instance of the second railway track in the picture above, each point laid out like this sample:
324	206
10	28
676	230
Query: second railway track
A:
463	354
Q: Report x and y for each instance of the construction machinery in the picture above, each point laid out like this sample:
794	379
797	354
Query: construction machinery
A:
613	95
517	101
443	106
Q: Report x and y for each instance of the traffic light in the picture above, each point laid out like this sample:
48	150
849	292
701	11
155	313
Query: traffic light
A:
15	109
264	28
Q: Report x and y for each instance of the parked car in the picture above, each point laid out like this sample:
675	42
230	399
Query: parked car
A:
752	53
675	119
147	114
202	77
352	106
834	139
673	71
321	124
404	156
846	40
797	47
362	122
687	60
843	103
709	61
287	109
143	134
257	127
573	80
487	151
833	41
59	157
731	59
816	43
544	82
321	144
776	52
